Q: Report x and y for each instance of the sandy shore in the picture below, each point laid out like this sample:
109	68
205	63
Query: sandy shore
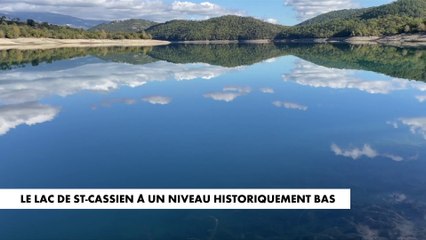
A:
47	43
416	40
202	42
408	40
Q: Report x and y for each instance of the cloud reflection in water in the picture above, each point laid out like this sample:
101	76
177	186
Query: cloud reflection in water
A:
21	90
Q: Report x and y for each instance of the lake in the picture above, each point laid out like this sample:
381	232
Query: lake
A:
217	116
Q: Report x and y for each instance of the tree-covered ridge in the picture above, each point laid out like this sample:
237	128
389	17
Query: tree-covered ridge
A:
384	26
402	16
334	15
131	55
408	8
15	28
219	28
15	58
128	26
408	63
225	55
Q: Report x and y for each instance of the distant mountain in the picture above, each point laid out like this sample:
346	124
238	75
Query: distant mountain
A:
402	16
219	28
54	18
131	25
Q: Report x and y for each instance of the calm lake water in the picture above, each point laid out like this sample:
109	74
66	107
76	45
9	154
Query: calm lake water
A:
217	116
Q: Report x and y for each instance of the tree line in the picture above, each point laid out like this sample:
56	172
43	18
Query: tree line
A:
402	16
406	63
219	28
383	26
15	28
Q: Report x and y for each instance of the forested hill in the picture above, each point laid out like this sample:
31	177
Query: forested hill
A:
130	25
220	28
401	8
402	16
32	29
408	63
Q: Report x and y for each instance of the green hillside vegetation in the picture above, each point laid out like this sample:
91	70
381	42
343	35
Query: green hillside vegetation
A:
402	16
15	58
408	63
131	55
128	26
334	15
225	55
408	8
220	28
30	28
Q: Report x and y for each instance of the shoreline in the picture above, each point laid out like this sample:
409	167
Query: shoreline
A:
201	42
401	40
49	43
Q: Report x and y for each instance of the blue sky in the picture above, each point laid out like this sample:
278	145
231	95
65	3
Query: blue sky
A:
287	12
276	9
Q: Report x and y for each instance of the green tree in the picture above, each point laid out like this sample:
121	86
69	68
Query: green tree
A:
421	27
407	29
13	31
31	23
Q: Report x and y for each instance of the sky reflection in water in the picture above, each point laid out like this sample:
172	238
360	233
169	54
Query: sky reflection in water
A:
273	121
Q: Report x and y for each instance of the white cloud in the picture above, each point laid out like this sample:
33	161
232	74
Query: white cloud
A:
394	124
309	74
365	151
156	10
196	73
306	9
240	89
30	114
20	90
204	8
157	100
271	60
271	20
416	125
222	96
421	98
393	157
290	105
267	90
228	93
110	102
354	153
26	86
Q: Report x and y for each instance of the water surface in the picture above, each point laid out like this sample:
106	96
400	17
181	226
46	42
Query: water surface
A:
217	116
